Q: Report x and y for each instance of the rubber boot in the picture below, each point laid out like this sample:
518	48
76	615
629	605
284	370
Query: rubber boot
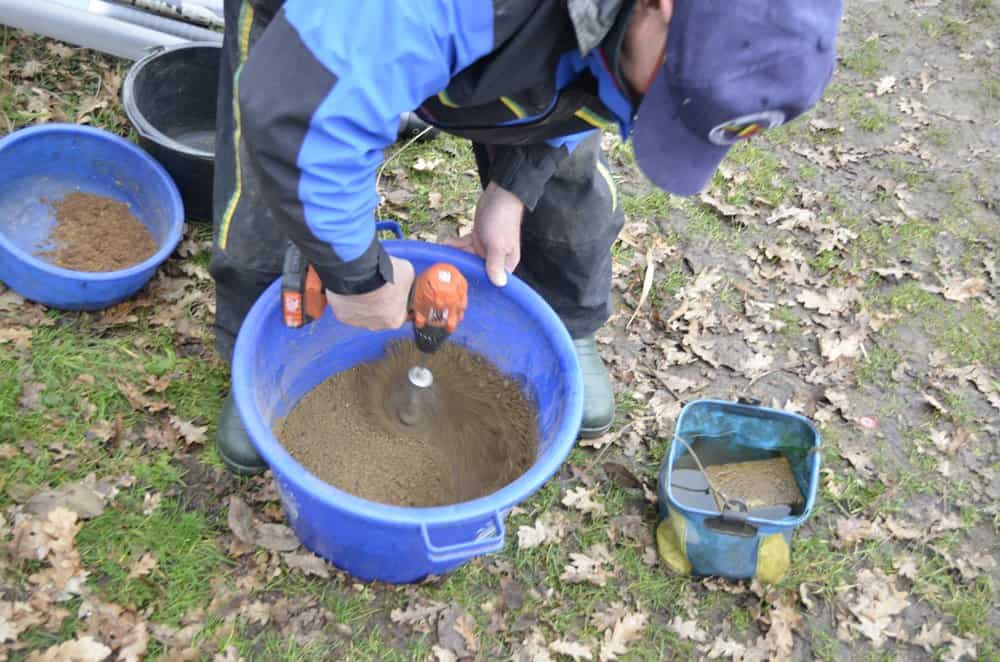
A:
598	397
233	443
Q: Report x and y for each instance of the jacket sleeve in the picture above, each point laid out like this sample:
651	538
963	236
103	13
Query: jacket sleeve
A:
320	97
524	170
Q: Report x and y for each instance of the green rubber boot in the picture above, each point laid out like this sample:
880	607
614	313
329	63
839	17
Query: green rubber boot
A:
598	397
234	446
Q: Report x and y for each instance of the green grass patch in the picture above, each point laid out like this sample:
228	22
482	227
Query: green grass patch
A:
950	27
866	59
939	136
765	176
969	337
183	543
878	363
654	204
969	603
851	104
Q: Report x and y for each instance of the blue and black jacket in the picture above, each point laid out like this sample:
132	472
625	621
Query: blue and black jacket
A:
322	90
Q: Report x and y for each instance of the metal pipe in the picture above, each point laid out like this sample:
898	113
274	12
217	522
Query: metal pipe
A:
75	25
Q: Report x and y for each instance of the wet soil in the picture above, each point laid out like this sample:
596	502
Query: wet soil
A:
478	432
97	233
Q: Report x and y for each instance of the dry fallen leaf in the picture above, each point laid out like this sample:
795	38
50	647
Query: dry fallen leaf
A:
582	499
624	632
308	564
852	530
84	649
81	497
30	394
647	285
426	165
240	520
907	567
139	400
949	443
20	338
443	654
830	301
193	434
589	566
456	631
572	649
533	649
885	85
143	566
929	638
550	527
417	616
784	619
876	602
726	648
276	537
688	630
150	502
960	649
901	531
840	343
958	290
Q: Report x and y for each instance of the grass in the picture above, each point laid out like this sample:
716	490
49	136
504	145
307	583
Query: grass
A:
876	365
183	543
967	602
953	28
762	176
851	104
866	59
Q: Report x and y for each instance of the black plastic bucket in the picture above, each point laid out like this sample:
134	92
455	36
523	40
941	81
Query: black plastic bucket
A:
170	99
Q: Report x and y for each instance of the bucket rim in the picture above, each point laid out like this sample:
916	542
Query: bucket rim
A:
145	128
282	464
788	522
175	205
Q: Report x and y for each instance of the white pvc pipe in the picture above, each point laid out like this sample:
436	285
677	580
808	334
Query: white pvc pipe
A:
153	22
75	25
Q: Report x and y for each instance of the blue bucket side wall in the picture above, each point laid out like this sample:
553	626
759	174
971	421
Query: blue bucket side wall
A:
369	540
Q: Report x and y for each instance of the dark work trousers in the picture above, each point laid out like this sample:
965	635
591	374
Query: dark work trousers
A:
565	242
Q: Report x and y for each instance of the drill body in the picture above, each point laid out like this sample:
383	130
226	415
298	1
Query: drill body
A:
438	299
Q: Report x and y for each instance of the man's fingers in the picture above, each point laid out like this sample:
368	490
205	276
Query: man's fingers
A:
512	259
465	243
495	261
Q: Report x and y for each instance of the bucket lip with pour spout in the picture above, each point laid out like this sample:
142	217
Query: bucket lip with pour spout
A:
784	523
286	467
143	125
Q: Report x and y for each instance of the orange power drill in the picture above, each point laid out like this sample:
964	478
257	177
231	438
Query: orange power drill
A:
438	299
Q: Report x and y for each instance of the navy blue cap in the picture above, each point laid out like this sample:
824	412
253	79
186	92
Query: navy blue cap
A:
733	68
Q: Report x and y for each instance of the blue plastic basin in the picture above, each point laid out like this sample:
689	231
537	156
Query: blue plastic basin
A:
49	161
274	366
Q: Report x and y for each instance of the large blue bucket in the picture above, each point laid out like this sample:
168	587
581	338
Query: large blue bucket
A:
732	543
274	366
40	165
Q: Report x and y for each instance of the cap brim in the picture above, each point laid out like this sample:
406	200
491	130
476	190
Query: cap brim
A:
668	153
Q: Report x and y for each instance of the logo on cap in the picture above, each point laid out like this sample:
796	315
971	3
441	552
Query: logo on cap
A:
741	128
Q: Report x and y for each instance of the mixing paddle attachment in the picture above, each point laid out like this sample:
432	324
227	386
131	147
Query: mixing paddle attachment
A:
417	399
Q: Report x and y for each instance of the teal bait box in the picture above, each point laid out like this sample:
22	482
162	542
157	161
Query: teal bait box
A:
705	530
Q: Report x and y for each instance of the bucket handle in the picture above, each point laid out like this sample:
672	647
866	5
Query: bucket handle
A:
465	550
390	226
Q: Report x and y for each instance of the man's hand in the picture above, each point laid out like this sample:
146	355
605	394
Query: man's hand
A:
496	233
384	308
